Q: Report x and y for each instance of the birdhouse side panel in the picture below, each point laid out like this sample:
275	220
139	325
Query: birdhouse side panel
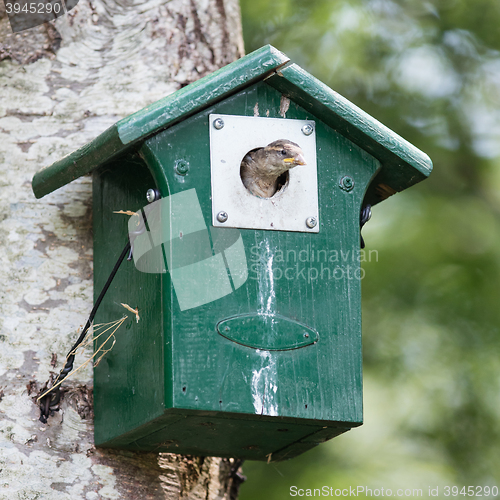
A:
129	379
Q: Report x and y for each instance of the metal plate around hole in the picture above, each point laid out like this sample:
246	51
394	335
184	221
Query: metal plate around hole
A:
290	207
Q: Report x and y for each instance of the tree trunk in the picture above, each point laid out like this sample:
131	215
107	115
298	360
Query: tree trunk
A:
62	84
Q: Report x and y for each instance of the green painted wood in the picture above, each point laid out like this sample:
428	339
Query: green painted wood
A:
249	393
217	434
125	397
403	164
122	136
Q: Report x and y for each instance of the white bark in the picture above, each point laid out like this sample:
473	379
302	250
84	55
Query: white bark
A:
61	85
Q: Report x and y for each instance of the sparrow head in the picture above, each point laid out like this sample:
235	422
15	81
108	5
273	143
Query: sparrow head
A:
265	170
282	155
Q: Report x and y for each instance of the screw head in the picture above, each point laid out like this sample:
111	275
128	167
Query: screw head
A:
346	183
152	195
218	123
307	129
181	167
311	222
222	216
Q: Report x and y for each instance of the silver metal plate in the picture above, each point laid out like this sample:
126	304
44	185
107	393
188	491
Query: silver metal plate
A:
289	208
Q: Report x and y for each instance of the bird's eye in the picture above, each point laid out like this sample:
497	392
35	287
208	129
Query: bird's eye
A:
283	152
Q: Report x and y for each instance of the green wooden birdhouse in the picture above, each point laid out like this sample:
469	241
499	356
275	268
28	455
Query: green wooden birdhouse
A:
248	341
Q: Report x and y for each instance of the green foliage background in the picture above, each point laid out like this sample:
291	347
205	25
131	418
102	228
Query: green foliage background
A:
430	71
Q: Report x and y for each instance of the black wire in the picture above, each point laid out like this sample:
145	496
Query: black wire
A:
52	399
364	217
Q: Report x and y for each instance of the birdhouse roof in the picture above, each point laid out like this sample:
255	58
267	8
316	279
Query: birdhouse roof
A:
402	164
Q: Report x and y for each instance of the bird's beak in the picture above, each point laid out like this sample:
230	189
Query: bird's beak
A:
298	160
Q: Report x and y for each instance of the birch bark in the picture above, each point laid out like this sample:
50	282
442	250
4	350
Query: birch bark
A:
61	85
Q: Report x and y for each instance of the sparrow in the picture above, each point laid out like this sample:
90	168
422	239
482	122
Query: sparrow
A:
261	169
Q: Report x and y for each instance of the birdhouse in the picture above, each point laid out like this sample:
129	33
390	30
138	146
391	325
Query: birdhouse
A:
248	337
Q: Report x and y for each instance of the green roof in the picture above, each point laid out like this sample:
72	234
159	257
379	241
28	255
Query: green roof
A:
402	164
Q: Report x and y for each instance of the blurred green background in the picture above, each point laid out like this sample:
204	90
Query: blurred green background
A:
430	71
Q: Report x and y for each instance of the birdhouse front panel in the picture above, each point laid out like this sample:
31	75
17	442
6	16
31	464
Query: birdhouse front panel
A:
244	294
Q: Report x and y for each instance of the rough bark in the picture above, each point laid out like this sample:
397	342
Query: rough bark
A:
62	84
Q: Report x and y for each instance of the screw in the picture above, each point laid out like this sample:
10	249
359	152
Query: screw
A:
306	335
152	195
307	129
346	183
182	167
311	222
219	123
222	216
